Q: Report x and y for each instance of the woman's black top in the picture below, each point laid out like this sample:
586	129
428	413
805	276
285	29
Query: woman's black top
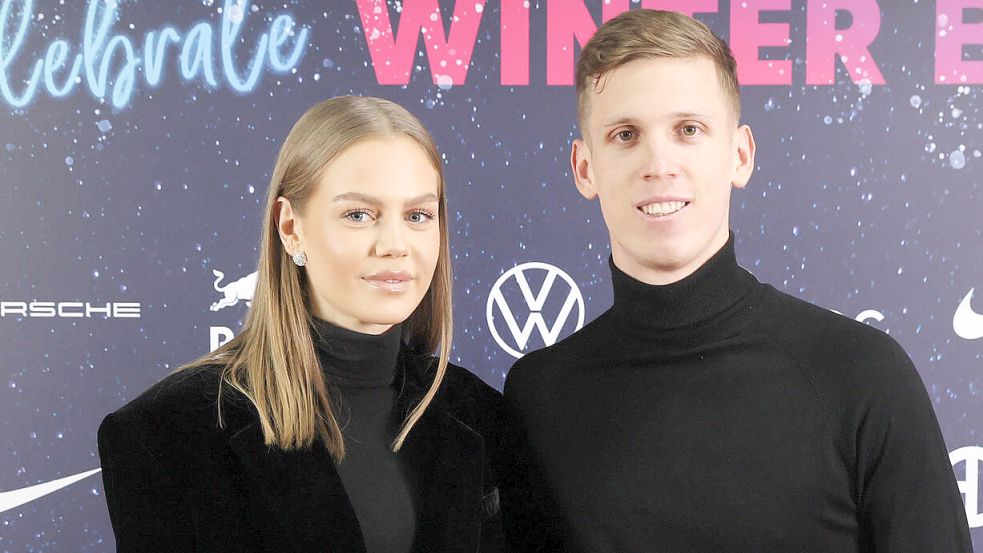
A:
360	369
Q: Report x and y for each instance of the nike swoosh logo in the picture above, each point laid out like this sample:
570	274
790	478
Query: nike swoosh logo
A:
967	323
16	498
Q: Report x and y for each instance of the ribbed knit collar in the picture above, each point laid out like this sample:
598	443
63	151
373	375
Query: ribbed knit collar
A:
355	359
716	287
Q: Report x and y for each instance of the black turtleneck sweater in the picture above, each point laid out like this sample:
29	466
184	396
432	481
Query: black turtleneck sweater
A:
716	414
360	370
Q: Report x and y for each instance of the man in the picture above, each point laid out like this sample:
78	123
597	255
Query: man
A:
706	411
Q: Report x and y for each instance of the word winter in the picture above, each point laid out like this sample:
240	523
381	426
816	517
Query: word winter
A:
569	23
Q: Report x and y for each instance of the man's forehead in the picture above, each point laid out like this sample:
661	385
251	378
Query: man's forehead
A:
658	88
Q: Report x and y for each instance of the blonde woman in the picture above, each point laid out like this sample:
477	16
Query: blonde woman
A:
325	425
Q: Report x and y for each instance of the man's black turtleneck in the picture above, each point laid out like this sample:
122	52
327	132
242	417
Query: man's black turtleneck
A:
360	368
717	414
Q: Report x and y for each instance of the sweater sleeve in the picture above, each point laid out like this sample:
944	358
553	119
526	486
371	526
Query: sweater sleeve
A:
908	497
145	506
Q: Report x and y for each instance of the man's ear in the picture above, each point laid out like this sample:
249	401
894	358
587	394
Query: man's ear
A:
288	225
583	174
744	156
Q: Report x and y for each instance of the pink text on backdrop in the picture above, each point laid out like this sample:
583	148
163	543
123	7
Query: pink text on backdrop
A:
392	53
569	24
951	34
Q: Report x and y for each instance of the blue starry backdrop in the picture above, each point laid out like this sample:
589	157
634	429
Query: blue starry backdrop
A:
131	212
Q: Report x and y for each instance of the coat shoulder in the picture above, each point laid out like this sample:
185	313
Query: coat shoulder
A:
463	395
459	380
181	408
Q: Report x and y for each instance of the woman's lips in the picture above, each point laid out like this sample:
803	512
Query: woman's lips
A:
390	281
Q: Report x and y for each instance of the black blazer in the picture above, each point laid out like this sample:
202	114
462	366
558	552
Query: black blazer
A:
176	483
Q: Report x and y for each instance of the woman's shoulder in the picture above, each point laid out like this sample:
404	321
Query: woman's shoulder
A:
181	392
459	380
462	395
179	407
459	384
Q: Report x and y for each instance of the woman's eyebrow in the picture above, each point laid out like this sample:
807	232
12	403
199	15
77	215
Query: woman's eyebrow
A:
356	197
359	197
423	199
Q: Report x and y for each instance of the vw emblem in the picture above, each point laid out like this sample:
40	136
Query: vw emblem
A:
536	306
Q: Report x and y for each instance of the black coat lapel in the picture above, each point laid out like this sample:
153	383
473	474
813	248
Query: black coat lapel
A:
304	493
307	499
447	458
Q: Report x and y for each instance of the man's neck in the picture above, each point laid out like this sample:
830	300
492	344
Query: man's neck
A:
662	275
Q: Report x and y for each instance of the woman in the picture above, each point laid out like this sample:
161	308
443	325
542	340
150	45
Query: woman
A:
325	425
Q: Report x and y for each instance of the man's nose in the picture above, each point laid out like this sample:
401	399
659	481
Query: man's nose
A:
660	162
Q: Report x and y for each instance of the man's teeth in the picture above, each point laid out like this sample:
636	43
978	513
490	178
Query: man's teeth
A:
662	208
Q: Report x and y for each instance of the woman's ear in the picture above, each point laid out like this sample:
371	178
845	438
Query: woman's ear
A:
287	225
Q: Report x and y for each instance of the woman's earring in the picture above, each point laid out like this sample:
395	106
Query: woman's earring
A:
300	259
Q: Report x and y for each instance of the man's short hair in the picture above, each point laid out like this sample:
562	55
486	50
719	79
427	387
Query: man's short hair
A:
640	34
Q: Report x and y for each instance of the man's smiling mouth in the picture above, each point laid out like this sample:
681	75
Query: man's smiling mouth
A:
661	209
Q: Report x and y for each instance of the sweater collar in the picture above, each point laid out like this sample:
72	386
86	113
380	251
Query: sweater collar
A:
356	359
714	288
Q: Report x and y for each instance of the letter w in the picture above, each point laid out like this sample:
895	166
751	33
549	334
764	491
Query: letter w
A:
535	320
392	54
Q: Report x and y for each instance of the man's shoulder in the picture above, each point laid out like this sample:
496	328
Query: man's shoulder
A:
537	368
826	342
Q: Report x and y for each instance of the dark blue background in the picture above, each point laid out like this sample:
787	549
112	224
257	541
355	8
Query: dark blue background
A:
854	205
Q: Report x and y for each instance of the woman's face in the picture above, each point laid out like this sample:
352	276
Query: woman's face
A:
370	233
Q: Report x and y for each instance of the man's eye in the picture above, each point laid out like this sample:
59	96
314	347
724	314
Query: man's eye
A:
690	130
625	135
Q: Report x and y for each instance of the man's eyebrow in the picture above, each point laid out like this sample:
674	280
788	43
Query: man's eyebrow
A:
689	115
359	197
618	121
628	120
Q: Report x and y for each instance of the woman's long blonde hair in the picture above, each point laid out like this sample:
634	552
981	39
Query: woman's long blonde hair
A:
273	361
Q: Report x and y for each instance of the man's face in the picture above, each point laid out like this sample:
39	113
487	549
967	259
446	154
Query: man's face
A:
662	150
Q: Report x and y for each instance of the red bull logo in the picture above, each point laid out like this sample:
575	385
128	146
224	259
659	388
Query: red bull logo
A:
241	289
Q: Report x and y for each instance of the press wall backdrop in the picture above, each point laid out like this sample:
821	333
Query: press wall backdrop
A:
137	140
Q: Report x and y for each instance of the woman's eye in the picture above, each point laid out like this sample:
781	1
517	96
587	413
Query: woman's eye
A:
690	130
625	135
357	216
420	217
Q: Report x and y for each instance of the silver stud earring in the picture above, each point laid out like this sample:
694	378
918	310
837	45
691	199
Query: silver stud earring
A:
300	259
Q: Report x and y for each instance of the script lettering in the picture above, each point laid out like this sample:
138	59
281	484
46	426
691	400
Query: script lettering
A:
110	60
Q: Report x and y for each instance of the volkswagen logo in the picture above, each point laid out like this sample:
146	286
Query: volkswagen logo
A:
555	298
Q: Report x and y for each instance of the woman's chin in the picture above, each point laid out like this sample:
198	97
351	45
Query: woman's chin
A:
385	318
